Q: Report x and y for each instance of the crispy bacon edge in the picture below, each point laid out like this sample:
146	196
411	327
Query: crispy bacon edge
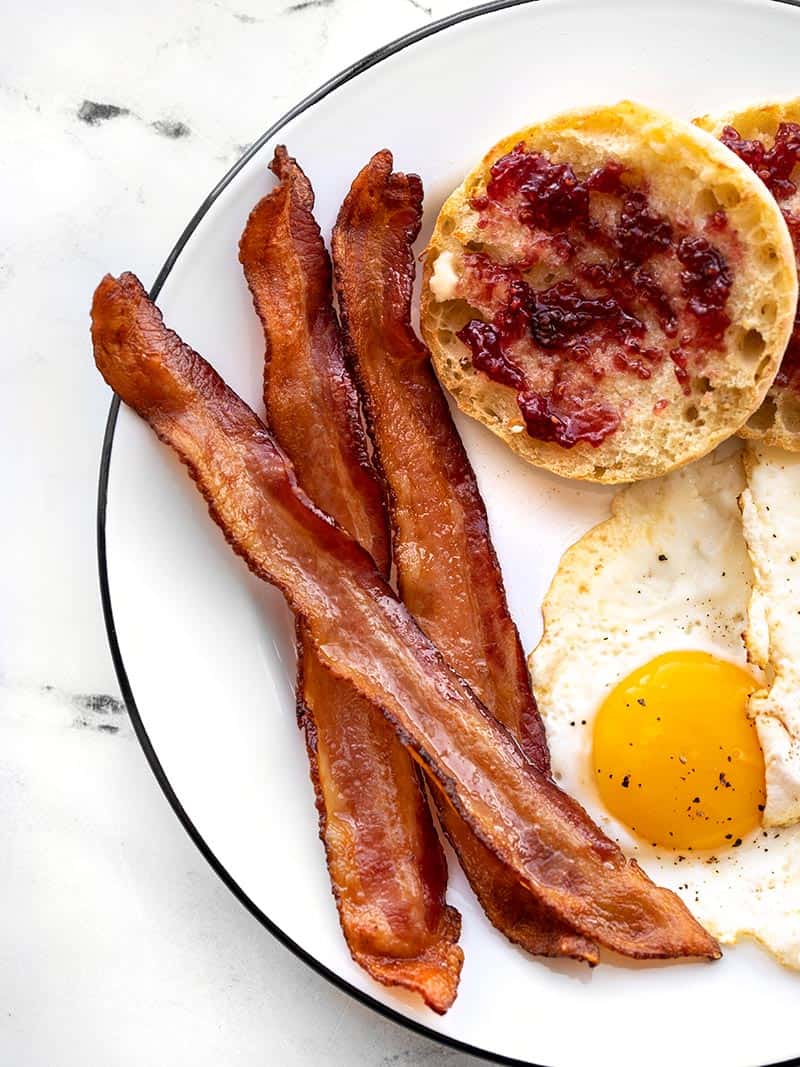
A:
363	633
447	569
386	864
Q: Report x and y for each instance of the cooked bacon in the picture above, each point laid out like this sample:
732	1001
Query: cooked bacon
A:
447	569
388	873
385	860
309	395
364	634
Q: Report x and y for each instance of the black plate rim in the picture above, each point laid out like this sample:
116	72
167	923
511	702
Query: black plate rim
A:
344	76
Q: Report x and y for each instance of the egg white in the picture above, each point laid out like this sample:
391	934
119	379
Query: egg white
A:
669	570
771	522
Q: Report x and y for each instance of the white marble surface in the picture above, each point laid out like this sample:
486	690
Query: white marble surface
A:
118	944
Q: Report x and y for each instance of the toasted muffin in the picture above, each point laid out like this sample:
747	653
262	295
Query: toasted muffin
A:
751	133
610	292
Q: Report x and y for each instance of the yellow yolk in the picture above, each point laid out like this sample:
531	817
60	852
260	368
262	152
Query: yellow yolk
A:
675	756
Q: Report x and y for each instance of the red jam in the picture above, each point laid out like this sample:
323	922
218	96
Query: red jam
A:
585	328
630	285
706	281
566	419
640	233
486	344
562	317
793	222
493	280
551	194
559	319
774	166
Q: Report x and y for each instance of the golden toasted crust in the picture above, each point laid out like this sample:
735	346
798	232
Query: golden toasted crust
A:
689	174
777	421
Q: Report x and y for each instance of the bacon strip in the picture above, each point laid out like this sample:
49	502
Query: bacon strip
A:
364	634
387	867
447	569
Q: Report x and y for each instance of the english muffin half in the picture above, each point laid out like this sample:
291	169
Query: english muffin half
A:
610	292
767	138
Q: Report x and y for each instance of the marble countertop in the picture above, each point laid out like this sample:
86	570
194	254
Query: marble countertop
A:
119	944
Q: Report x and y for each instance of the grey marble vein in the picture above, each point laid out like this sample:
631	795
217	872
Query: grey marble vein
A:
307	5
93	113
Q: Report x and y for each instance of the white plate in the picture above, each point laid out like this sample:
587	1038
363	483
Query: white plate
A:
206	650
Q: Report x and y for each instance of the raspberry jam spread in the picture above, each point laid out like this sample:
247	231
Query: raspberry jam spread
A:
486	342
775	167
551	194
706	281
558	416
600	285
566	419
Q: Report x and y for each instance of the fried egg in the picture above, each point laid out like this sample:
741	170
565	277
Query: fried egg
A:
771	521
643	683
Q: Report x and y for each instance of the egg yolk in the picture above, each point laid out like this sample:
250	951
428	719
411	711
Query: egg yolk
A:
676	757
